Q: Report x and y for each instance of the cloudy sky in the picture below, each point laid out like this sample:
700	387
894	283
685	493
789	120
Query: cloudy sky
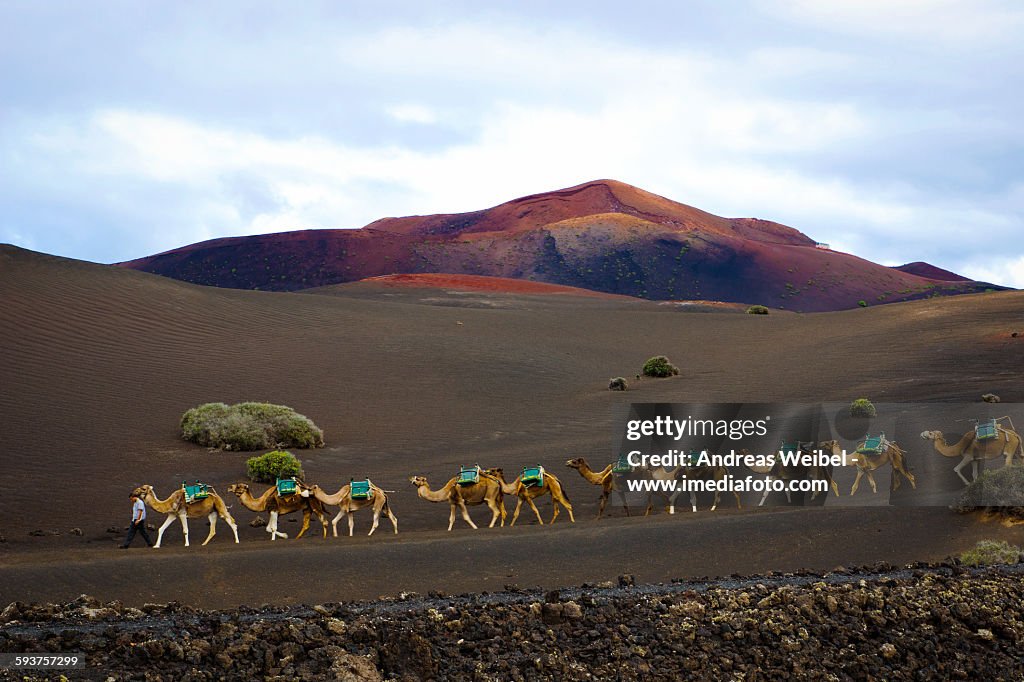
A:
891	129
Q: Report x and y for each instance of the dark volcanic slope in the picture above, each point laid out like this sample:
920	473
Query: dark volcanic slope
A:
602	235
100	362
930	271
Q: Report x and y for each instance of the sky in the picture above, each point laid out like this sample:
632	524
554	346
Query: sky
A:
891	130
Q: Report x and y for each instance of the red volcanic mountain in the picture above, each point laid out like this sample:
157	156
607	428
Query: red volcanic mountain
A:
603	235
922	269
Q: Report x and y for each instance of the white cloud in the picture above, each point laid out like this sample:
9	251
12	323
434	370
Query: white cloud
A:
926	21
412	113
997	270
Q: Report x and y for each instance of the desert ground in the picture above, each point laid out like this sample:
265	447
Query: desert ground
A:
99	363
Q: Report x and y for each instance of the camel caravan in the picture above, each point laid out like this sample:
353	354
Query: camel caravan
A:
990	439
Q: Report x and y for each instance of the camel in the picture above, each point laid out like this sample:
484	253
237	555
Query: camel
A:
279	505
486	491
699	472
604	478
177	510
527	493
972	451
343	500
663	474
867	463
780	471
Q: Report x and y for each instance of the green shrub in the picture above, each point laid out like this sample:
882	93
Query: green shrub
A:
249	426
617	384
757	310
862	303
272	466
659	366
991	552
862	407
999	491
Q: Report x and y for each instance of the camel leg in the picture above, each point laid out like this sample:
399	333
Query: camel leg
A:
376	520
622	496
272	527
672	501
871	480
856	481
693	500
184	524
496	513
959	467
352	524
234	526
334	522
767	480
171	518
910	477
515	512
568	507
535	510
451	518
213	527
394	520
554	509
306	514
465	515
604	501
717	498
650	504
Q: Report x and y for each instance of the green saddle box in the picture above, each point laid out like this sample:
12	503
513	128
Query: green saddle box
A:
468	475
986	430
287	486
532	476
193	493
873	444
622	465
793	447
360	490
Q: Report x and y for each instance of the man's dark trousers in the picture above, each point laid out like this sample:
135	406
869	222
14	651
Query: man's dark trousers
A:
139	527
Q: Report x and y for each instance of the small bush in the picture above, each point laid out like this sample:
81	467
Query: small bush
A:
272	466
991	552
862	303
862	407
659	366
617	384
249	426
757	310
999	491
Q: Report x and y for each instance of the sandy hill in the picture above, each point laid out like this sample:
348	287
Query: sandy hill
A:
602	235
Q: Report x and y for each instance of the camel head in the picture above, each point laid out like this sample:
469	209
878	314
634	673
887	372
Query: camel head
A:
308	490
142	491
418	481
575	463
931	435
238	488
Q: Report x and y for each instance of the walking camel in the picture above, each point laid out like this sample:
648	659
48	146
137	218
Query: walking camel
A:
783	472
487	491
1006	445
527	493
278	505
604	478
346	504
698	472
866	463
178	510
663	474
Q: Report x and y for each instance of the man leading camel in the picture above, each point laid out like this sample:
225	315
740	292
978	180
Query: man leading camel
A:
138	522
